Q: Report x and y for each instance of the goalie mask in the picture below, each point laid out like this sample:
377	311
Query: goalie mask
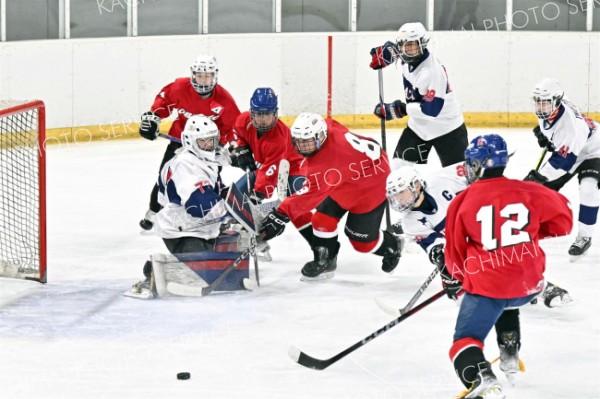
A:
201	137
412	42
485	152
263	109
309	132
404	186
205	73
547	97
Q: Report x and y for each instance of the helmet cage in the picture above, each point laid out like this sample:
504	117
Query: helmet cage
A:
262	104
204	64
402	190
485	152
201	137
547	98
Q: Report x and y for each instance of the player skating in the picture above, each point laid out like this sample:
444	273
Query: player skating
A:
435	116
492	219
197	95
264	139
345	174
574	142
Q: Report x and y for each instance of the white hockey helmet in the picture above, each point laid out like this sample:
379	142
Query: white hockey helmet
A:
412	32
309	132
206	64
547	97
402	189
201	137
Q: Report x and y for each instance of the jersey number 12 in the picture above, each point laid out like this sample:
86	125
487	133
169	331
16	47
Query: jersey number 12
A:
515	217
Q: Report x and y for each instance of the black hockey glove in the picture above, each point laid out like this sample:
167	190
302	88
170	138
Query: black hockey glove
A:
543	141
390	111
273	225
536	177
436	256
149	125
451	287
243	159
383	56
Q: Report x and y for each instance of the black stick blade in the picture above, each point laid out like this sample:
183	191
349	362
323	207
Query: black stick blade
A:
307	361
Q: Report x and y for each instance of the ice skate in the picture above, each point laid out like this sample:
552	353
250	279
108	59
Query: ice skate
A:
148	221
322	268
486	386
262	251
510	364
556	297
145	289
579	248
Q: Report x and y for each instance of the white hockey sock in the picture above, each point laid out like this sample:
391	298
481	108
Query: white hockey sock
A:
589	200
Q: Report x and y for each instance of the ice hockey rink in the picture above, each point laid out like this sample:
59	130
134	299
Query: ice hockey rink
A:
78	337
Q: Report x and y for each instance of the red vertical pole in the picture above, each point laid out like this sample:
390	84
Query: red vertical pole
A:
329	73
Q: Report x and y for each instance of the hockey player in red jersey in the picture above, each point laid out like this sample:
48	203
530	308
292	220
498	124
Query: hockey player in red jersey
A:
197	95
262	138
345	173
492	231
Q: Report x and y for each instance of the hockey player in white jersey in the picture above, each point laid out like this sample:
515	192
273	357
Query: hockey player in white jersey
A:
435	116
573	139
423	205
190	194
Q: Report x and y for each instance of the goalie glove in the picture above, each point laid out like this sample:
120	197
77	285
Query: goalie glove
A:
149	125
383	56
273	225
543	141
390	111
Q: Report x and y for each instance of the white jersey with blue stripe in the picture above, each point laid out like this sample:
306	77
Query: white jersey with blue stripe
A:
427	227
189	199
430	102
575	138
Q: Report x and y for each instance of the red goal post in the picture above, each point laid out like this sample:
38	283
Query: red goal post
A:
23	190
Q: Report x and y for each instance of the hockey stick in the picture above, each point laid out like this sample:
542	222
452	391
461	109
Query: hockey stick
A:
207	290
399	312
539	162
170	138
253	237
388	220
317	364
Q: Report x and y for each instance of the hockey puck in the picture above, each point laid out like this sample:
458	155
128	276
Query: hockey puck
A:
183	376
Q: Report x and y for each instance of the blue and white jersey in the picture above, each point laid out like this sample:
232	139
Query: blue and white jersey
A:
430	102
188	194
427	227
575	138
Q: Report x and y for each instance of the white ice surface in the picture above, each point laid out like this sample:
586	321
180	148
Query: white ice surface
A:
77	337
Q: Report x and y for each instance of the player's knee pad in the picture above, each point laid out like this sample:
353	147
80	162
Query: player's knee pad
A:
302	220
366	246
588	191
324	225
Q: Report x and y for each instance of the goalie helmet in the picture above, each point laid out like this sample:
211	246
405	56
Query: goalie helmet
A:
263	109
485	152
547	97
402	188
201	137
309	132
409	33
201	69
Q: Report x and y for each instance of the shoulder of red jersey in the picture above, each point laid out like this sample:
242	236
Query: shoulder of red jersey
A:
333	125
219	92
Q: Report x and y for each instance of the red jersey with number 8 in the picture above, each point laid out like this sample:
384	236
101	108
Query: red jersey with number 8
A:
493	230
349	168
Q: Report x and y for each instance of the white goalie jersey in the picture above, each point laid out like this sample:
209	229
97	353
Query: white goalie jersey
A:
426	227
191	204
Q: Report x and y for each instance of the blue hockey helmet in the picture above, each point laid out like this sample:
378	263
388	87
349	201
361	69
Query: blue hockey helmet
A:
263	109
484	152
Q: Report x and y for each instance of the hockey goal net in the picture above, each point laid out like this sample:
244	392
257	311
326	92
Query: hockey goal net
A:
22	190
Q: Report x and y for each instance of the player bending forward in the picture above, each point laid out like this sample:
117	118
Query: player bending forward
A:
493	230
190	194
345	174
424	204
574	141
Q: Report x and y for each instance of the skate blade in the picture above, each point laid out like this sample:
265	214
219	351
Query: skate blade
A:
575	258
322	276
264	257
143	294
249	284
566	301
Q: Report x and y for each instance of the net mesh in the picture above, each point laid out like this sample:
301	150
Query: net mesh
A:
19	193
